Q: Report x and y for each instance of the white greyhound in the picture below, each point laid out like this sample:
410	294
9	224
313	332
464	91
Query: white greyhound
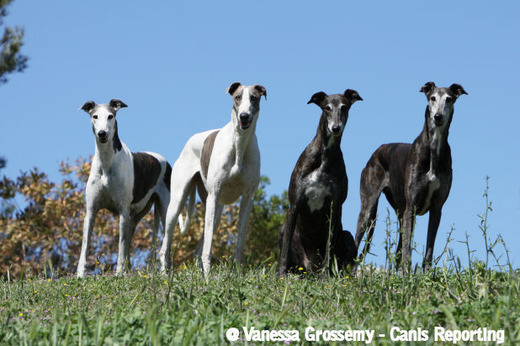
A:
222	165
123	182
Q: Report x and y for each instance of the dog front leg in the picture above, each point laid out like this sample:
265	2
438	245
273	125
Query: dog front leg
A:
246	205
406	236
433	226
288	233
88	226
125	238
211	222
174	209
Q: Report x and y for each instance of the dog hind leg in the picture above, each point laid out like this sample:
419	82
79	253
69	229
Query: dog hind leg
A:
372	183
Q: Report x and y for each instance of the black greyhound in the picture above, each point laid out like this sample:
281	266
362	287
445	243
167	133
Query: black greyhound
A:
415	178
317	191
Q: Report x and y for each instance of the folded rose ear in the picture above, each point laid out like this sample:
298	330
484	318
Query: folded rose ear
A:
457	90
232	88
117	104
88	106
352	95
317	98
426	88
261	90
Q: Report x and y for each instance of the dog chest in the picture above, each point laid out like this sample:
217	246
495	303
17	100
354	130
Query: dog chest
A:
433	184
316	191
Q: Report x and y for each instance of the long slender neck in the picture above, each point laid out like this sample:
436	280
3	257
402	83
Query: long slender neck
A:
433	141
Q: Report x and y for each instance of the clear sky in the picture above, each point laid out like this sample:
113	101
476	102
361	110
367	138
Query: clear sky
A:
171	62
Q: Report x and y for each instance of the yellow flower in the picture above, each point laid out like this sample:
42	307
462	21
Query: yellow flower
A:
49	280
35	291
245	303
300	269
21	314
165	282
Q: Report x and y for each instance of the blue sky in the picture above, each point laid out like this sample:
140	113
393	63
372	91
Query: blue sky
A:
171	62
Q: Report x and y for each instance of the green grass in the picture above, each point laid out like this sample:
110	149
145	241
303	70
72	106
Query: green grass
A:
186	308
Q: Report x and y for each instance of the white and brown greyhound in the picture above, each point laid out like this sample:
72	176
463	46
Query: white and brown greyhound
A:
125	183
415	178
222	165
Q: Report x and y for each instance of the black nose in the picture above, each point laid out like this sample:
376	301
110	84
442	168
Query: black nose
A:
336	128
102	134
244	116
437	117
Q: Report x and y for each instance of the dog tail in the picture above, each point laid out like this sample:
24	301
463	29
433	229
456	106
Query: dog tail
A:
168	175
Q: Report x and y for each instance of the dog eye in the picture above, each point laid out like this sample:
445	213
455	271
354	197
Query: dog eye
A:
238	97
253	98
94	116
343	108
328	108
110	117
433	99
449	99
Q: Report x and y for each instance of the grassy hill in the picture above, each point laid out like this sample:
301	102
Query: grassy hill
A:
186	308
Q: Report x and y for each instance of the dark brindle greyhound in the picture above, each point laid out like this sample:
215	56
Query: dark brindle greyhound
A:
415	178
319	183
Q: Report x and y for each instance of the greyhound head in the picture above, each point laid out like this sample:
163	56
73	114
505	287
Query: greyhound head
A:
246	104
440	103
103	118
335	109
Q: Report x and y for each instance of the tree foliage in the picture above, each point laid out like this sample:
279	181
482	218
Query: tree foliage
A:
46	233
11	58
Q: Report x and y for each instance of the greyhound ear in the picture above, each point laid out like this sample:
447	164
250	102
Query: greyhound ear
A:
261	90
88	106
426	88
457	89
317	98
232	88
352	95
117	104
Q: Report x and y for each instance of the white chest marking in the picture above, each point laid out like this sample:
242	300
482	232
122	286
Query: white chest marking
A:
316	192
433	185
